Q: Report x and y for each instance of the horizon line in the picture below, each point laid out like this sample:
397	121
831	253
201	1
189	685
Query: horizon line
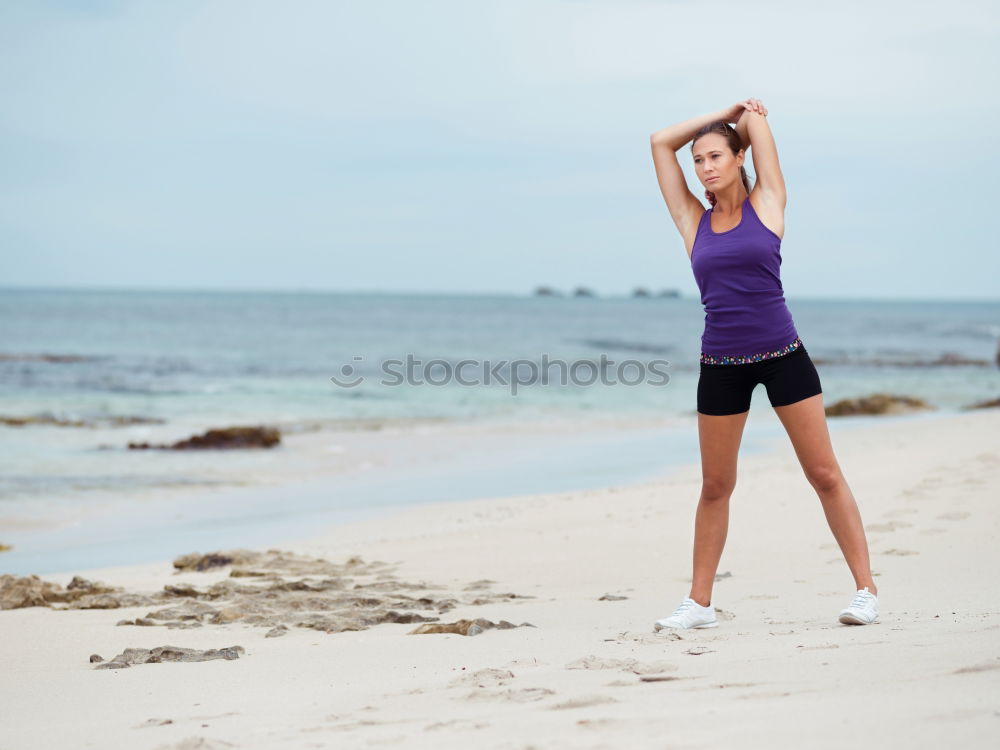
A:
559	293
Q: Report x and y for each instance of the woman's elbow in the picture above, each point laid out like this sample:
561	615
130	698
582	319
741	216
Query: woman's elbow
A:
660	138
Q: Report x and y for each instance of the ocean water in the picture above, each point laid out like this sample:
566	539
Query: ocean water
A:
232	357
188	361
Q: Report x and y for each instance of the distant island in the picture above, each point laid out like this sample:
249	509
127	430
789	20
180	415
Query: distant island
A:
583	291
547	291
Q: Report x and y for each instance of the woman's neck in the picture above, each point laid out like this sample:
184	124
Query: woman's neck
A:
729	205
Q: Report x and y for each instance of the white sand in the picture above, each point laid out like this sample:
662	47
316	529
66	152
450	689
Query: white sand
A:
779	671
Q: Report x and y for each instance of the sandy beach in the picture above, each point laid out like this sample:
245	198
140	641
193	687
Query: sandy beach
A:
353	358
576	580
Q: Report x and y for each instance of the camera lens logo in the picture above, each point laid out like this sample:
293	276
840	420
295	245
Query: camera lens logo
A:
347	378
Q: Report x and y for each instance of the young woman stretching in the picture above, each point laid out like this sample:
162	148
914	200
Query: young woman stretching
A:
749	338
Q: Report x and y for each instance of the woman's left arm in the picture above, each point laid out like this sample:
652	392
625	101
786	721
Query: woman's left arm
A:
764	153
741	131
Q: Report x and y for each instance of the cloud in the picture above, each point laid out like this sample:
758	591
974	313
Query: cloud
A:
214	129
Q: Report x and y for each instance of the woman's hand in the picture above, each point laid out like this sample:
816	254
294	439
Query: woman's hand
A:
734	113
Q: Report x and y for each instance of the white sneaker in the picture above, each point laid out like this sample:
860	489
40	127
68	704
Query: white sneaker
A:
863	610
689	614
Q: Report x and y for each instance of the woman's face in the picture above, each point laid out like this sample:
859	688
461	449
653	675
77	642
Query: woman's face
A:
715	165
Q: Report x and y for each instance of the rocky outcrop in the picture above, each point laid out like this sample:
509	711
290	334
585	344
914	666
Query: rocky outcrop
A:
274	590
467	627
988	404
112	420
32	591
877	403
160	654
226	438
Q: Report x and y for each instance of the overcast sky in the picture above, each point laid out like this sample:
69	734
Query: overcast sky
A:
485	146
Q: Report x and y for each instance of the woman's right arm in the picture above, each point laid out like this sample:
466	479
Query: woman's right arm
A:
685	209
677	135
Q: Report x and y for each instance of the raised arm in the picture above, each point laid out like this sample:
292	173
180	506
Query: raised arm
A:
755	132
685	209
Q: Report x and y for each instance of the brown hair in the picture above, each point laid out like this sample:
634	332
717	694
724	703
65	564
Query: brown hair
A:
728	132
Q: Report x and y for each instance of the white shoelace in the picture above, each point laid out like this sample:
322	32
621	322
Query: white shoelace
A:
684	606
860	600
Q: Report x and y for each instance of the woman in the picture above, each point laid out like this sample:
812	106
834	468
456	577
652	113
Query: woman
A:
749	338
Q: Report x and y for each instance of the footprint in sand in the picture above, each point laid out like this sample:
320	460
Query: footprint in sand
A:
483	678
974	480
153	723
888	526
699	650
359	723
652	667
197	743
771	694
604	723
497	678
899	512
988	666
511	695
209	717
459	724
626	665
762	596
651	639
955	515
924	486
526	661
599	662
900	552
585	701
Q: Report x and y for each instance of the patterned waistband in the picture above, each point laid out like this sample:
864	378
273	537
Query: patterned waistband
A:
742	359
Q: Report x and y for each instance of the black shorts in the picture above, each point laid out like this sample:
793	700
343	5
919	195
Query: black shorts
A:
726	389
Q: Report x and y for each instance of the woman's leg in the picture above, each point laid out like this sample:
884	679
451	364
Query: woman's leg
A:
719	437
805	423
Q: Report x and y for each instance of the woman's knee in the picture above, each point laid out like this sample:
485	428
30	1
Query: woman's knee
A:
824	477
717	488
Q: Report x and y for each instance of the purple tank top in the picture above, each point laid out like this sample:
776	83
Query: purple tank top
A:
739	274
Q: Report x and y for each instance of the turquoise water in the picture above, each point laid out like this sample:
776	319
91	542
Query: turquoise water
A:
264	356
194	360
202	359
